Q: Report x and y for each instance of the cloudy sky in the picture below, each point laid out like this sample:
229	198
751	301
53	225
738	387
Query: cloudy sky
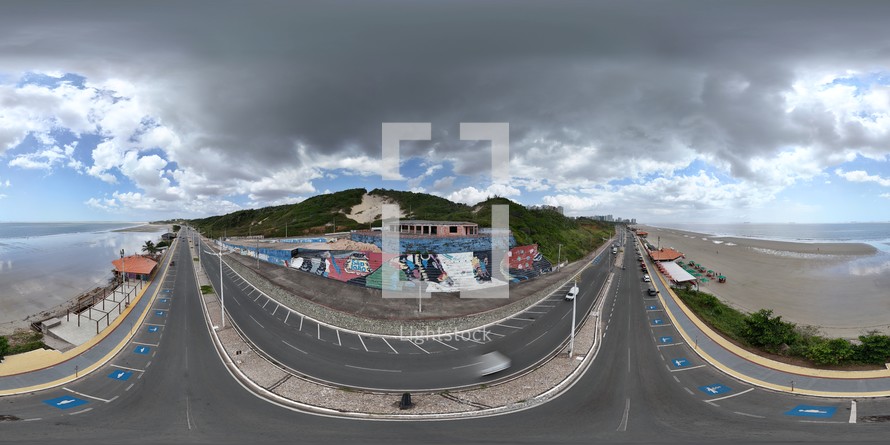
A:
665	111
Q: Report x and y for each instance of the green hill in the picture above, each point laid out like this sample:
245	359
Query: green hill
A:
328	213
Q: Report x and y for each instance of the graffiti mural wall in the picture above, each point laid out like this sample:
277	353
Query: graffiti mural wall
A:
443	272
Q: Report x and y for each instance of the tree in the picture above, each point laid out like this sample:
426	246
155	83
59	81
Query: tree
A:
762	329
874	348
830	352
149	247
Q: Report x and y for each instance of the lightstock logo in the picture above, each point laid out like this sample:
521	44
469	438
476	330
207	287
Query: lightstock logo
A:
395	132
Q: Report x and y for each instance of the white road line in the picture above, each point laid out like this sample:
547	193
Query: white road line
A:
153	324
89	396
731	396
254	320
536	338
508	326
298	349
749	415
363	342
145	344
148	364
495	333
267	302
128	369
257	298
318	334
623	425
286	316
687	369
418	346
446	344
672	344
251	293
852	411
301	323
338	337
276	309
31	420
80	412
466	366
660	325
688	390
522	319
545	305
130	387
675	378
534	312
374	369
390	346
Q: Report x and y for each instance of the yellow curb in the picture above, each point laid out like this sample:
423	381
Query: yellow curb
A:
68	355
772	364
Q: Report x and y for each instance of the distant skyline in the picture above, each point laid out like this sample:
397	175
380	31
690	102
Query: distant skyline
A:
667	112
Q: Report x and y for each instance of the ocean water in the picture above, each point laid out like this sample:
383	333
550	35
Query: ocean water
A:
871	233
45	264
875	266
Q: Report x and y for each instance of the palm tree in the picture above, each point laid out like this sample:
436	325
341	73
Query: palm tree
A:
149	247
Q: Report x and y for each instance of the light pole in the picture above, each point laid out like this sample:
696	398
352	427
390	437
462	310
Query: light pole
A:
572	334
123	274
558	255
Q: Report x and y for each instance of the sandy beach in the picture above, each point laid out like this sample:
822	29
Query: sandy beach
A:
839	287
146	228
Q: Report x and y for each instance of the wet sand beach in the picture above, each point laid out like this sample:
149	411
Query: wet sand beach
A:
839	287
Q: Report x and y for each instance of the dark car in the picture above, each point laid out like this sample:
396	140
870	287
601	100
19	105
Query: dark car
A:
652	292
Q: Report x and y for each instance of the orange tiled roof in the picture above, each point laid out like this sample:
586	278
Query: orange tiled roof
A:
665	255
135	264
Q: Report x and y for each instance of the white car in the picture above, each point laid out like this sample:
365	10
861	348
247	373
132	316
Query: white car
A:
646	278
492	362
573	292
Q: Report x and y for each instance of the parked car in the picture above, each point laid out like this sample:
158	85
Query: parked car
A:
646	278
652	292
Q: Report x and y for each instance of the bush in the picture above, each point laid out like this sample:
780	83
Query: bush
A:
4	347
764	330
830	352
874	349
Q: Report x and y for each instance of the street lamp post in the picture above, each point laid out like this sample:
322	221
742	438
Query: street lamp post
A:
558	255
222	289
572	338
123	274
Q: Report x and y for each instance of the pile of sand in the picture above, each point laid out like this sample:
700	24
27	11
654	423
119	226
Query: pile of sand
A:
370	209
341	244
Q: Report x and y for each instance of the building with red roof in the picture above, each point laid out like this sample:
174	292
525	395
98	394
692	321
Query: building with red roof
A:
135	266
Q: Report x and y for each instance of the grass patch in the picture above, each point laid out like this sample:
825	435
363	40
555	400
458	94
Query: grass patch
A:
21	341
729	321
206	289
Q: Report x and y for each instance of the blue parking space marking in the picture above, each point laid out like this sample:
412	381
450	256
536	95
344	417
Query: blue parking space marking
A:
142	350
120	375
152	329
651	308
160	313
666	339
164	300
680	362
65	402
714	389
657	322
168	290
811	411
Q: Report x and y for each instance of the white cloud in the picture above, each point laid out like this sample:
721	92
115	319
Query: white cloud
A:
862	176
472	195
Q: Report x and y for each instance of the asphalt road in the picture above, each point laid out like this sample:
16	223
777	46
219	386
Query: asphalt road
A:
629	395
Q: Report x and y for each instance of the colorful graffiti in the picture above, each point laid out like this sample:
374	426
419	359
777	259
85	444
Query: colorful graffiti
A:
444	272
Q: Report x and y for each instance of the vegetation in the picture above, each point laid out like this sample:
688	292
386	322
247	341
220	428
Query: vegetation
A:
762	330
327	213
150	248
206	289
176	228
20	342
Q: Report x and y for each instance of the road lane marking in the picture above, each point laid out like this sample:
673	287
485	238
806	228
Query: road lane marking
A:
466	366
536	338
508	326
80	412
374	369
319	331
257	298
672	344
675	378
418	346
390	346
89	396
130	387
688	390
623	425
363	342
852	411
267	302
276	309
687	369
145	344
338	337
254	320
286	316
731	395
749	415
292	346
128	369
446	344
301	323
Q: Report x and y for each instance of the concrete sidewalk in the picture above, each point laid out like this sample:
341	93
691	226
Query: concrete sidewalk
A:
40	370
760	371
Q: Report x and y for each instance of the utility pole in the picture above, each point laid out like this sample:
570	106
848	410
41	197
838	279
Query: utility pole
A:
558	255
572	334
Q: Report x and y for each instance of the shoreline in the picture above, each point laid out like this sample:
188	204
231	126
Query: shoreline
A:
836	287
143	228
